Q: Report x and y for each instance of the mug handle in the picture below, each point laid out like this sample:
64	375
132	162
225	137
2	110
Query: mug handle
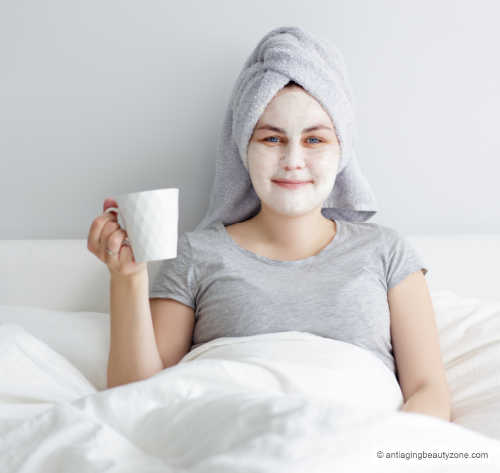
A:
117	215
126	241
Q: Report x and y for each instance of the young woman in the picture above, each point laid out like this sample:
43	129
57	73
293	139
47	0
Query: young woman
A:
287	266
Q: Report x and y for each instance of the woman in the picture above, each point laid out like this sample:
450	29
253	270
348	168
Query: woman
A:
272	256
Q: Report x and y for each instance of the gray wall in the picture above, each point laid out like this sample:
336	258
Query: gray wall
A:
104	98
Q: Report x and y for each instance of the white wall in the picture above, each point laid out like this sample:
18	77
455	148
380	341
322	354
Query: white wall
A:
103	98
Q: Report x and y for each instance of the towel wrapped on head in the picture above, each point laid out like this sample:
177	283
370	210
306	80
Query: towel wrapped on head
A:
287	54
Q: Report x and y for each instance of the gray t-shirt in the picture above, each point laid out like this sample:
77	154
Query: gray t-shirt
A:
339	293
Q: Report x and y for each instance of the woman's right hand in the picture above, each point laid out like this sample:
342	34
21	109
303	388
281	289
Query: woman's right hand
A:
105	232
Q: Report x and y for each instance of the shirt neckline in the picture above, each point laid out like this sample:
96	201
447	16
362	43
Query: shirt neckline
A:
332	245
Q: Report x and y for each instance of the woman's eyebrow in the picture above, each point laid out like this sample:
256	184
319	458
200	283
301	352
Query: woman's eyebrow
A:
266	126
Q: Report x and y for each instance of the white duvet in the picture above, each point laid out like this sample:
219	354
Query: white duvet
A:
282	402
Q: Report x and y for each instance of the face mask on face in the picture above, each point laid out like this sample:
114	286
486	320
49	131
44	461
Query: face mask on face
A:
307	156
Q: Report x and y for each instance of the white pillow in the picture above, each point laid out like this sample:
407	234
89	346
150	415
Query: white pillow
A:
469	335
83	338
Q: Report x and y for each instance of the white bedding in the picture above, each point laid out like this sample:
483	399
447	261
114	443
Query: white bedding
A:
288	401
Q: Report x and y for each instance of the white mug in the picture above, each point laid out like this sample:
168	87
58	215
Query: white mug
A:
151	220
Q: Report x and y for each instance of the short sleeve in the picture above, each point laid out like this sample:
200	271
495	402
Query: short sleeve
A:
175	278
402	259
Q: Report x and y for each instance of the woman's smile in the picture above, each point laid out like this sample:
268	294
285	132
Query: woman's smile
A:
290	185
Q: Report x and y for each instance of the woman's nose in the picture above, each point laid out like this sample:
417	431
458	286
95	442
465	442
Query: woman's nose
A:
293	157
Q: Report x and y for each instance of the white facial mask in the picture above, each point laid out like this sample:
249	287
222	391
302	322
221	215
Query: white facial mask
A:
293	155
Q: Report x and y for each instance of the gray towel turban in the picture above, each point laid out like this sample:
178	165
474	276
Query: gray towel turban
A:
282	55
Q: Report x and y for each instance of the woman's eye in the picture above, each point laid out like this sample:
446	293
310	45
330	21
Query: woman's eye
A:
314	138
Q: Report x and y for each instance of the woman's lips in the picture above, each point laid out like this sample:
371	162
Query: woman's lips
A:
290	185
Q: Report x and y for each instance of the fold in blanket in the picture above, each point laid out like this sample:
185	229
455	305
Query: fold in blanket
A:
282	55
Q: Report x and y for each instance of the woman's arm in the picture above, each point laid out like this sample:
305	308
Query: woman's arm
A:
415	342
431	400
133	354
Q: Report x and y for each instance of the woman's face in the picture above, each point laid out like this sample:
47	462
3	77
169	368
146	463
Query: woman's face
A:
293	154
